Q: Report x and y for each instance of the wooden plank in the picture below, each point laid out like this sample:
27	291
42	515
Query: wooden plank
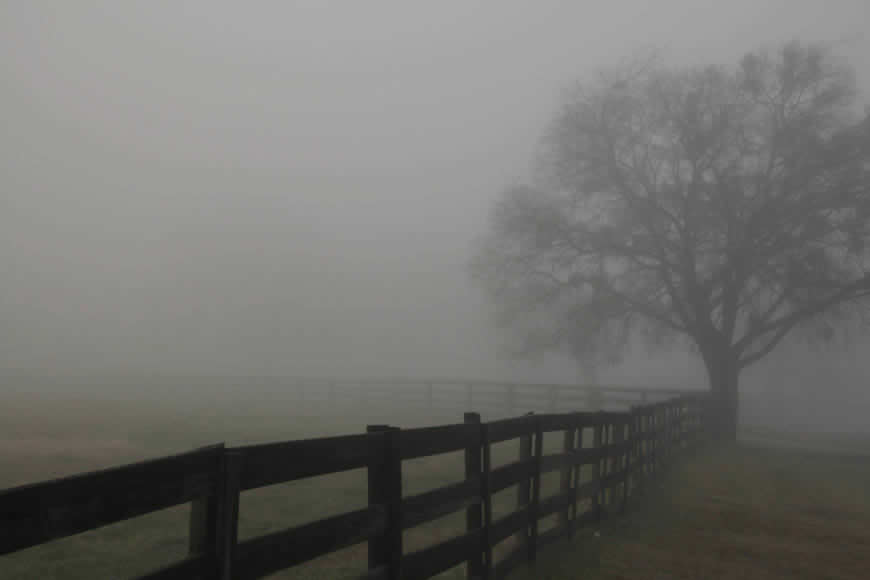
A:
385	489
228	515
379	573
512	428
426	441
534	512
613	479
503	527
264	555
474	512
191	568
576	472
567	475
430	505
505	476
559	421
587	518
597	442
621	465
36	513
203	525
551	536
486	496
589	455
554	461
524	489
587	489
554	503
615	449
273	463
428	562
516	557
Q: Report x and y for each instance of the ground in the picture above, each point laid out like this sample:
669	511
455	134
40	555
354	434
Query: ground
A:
738	513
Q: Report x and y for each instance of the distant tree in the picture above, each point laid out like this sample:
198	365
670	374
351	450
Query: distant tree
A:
724	207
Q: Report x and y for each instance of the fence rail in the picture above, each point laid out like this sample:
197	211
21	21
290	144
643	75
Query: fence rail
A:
625	449
490	398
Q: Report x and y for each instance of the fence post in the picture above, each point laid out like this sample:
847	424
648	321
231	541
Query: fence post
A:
228	514
654	441
637	445
203	536
666	425
385	489
524	489
608	466
624	440
565	480
486	499
473	513
536	490
597	430
578	469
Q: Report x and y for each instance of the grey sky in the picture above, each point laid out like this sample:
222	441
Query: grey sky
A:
294	187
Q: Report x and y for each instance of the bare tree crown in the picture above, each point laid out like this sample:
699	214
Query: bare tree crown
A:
726	206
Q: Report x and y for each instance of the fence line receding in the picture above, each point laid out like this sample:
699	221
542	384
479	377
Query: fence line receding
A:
619	451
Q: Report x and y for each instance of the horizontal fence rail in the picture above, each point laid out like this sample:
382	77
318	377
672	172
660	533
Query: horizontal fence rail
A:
604	458
490	398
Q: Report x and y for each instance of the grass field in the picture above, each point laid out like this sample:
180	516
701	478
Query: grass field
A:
747	512
46	437
743	513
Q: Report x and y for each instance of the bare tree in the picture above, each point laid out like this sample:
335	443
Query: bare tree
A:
725	207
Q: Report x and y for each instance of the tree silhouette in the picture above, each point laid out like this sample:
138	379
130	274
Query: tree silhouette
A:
726	207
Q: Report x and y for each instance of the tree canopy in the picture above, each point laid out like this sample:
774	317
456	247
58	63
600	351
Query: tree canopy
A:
727	206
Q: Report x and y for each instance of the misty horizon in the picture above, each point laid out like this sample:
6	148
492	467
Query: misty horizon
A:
186	196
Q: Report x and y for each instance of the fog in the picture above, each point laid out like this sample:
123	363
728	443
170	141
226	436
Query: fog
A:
295	188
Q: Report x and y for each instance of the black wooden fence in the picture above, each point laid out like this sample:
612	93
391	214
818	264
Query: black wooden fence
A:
620	449
490	398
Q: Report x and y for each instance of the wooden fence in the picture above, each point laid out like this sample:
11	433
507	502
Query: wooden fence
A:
620	450
489	398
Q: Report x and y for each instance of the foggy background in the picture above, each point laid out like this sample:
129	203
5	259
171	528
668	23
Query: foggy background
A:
294	188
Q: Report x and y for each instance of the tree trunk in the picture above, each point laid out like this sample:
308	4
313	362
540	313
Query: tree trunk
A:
723	372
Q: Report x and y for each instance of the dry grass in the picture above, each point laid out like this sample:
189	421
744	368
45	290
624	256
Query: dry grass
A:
742	513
